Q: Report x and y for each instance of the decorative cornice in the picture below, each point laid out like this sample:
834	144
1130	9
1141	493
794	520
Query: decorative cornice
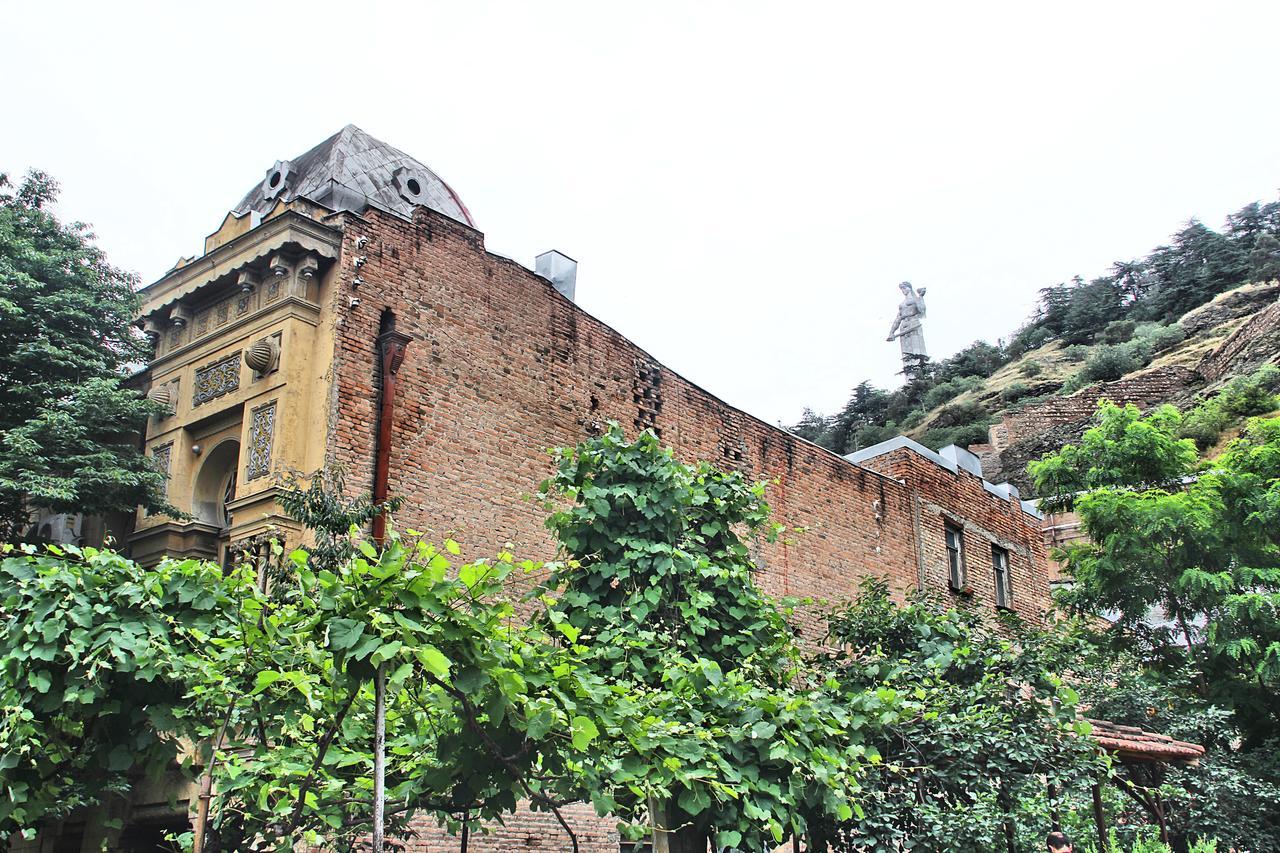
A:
299	308
287	227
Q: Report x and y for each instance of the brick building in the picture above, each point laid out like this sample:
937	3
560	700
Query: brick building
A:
347	313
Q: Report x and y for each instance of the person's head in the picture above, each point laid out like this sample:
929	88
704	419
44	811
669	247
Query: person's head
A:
1058	842
906	288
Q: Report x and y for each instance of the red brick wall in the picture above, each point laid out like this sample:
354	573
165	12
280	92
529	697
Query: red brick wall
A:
502	367
959	498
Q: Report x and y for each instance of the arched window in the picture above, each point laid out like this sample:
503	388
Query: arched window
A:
215	485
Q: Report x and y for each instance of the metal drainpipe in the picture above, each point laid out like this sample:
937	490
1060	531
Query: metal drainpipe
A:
391	350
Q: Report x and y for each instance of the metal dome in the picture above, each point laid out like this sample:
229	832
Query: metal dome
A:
353	171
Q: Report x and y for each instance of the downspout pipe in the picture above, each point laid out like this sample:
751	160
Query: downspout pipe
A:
391	351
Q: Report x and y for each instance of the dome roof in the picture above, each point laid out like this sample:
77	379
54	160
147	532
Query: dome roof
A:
353	171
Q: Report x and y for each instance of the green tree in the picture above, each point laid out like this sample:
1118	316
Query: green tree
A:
68	430
1185	560
988	725
1264	260
479	709
729	732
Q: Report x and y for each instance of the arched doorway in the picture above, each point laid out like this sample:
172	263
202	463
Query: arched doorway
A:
215	485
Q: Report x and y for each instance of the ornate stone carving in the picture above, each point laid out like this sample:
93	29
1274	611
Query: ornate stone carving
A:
166	395
161	455
273	289
214	380
202	323
278	266
242	305
262	424
263	356
223	312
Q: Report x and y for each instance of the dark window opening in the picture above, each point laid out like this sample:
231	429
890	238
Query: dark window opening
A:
1000	564
955	557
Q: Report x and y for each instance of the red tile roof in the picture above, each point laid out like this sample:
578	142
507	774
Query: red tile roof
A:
1138	745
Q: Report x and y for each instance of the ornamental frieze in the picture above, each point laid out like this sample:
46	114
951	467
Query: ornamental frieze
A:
214	380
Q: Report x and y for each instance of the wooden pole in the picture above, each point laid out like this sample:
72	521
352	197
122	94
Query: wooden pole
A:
379	758
1099	817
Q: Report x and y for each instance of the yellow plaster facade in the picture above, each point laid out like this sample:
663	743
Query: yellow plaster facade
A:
243	344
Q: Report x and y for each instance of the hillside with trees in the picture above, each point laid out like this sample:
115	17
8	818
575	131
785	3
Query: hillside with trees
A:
1171	307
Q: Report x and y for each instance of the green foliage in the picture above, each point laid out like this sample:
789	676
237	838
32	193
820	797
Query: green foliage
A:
1124	449
1014	393
1243	396
323	507
1108	363
985	723
68	430
1118	331
95	658
1030	368
734	730
1231	793
1188	568
945	392
1160	337
1264	260
481	709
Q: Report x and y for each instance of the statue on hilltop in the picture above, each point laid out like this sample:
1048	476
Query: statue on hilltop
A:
908	329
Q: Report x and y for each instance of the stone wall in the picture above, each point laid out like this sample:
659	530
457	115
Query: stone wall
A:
1255	342
501	367
1025	435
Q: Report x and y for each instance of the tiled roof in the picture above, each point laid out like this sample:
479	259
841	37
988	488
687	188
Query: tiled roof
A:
1137	744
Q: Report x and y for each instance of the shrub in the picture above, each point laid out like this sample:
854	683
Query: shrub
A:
1251	395
1242	397
1108	363
1160	338
1030	368
1073	384
1204	424
1075	352
961	414
961	435
1118	331
1014	392
944	392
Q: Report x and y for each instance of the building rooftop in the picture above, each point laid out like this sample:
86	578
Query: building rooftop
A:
353	171
1135	744
952	458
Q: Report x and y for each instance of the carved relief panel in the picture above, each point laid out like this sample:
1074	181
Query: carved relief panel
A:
262	425
216	379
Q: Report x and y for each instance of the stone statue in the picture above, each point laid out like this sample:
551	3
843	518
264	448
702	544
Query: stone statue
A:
908	328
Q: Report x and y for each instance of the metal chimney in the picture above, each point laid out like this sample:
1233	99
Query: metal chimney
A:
559	269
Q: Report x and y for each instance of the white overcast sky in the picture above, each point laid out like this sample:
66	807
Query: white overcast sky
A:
743	184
